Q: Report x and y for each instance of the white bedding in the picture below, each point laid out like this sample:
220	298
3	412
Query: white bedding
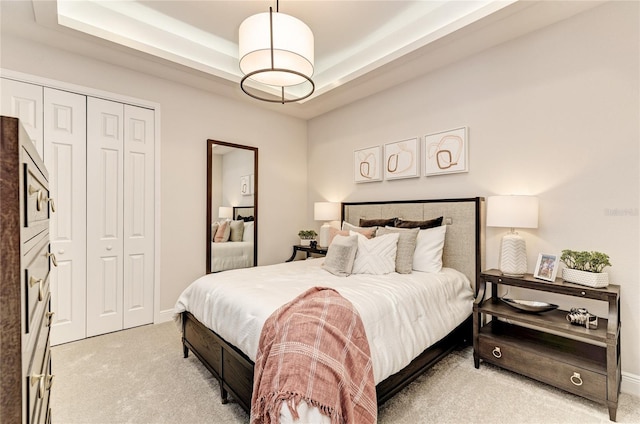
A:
231	255
403	314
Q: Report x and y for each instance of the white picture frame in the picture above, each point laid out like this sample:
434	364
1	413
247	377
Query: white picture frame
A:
367	165
546	267
402	159
446	152
246	185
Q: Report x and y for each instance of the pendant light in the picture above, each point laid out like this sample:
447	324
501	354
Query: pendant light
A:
276	57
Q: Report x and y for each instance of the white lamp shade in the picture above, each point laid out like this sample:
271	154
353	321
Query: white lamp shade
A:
512	211
292	49
326	211
225	212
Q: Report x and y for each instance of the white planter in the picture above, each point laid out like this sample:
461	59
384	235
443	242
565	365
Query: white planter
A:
591	279
305	242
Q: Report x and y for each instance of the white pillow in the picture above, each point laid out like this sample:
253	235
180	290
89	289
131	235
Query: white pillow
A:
429	246
340	255
247	235
377	255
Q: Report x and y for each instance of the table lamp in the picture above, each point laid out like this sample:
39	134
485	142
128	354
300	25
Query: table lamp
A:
225	212
512	212
325	211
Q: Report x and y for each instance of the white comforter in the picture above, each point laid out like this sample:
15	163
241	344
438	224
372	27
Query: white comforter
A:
403	314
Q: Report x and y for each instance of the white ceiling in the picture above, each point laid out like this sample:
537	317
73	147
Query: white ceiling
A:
361	47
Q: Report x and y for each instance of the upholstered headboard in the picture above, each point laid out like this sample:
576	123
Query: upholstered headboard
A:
465	220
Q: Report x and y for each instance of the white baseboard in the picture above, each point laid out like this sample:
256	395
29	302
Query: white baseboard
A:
164	316
630	384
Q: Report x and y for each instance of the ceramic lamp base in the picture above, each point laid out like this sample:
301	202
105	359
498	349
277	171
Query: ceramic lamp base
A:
323	238
513	255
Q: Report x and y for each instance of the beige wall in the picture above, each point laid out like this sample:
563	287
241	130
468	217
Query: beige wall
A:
188	118
554	114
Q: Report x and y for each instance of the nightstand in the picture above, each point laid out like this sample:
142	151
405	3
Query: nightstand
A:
545	346
318	251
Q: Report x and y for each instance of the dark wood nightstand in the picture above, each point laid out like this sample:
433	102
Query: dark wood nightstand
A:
545	346
318	251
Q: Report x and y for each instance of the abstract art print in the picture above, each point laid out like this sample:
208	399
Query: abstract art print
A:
366	165
446	152
401	159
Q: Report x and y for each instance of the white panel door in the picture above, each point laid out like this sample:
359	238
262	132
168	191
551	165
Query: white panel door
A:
104	216
24	101
65	135
138	215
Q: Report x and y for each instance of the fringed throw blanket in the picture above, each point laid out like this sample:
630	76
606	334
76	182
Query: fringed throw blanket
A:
314	349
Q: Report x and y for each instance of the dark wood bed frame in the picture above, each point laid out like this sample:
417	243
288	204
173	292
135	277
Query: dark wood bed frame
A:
234	370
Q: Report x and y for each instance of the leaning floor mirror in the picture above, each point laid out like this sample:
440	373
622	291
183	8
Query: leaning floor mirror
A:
232	206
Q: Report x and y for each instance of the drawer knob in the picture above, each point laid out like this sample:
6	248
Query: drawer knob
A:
32	282
576	379
52	256
496	352
39	380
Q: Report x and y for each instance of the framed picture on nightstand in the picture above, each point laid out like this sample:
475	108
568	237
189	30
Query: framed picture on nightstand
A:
546	267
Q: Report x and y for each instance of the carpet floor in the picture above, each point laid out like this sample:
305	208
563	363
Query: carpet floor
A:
139	376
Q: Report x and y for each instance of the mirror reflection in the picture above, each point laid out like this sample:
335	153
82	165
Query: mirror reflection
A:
232	206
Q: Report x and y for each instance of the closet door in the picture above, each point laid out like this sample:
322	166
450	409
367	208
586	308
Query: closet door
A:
65	134
104	216
24	101
138	215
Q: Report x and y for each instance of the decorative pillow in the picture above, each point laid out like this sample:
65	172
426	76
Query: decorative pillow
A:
423	225
378	222
340	255
377	255
367	232
237	230
224	230
247	234
428	254
214	229
406	246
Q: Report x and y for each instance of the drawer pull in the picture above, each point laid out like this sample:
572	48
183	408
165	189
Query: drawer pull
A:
52	204
50	378
39	380
497	353
32	282
50	318
39	197
576	379
54	261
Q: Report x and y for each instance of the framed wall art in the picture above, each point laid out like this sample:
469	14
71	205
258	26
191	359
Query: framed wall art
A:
401	159
446	152
366	165
546	267
246	185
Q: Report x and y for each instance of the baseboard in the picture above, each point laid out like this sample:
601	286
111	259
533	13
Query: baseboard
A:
164	316
630	384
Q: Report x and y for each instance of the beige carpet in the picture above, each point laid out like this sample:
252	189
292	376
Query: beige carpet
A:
139	376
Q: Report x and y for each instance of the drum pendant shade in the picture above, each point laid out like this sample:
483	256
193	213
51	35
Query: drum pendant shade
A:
276	50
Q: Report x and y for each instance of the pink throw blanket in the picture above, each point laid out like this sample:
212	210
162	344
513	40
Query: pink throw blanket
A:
314	349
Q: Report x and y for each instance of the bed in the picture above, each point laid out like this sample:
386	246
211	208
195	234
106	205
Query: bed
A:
228	353
236	254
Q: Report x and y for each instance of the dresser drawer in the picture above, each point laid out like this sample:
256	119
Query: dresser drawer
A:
544	367
36	281
44	413
36	199
39	383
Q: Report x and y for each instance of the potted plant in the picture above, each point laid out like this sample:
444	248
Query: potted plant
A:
585	268
306	236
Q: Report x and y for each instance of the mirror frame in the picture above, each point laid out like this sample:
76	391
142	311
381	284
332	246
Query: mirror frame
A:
210	144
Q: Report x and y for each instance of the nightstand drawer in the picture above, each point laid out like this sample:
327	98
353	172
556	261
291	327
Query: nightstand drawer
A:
543	367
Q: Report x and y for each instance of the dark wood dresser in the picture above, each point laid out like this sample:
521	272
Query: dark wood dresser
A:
25	264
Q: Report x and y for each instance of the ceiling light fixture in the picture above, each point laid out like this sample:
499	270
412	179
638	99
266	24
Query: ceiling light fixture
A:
276	57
